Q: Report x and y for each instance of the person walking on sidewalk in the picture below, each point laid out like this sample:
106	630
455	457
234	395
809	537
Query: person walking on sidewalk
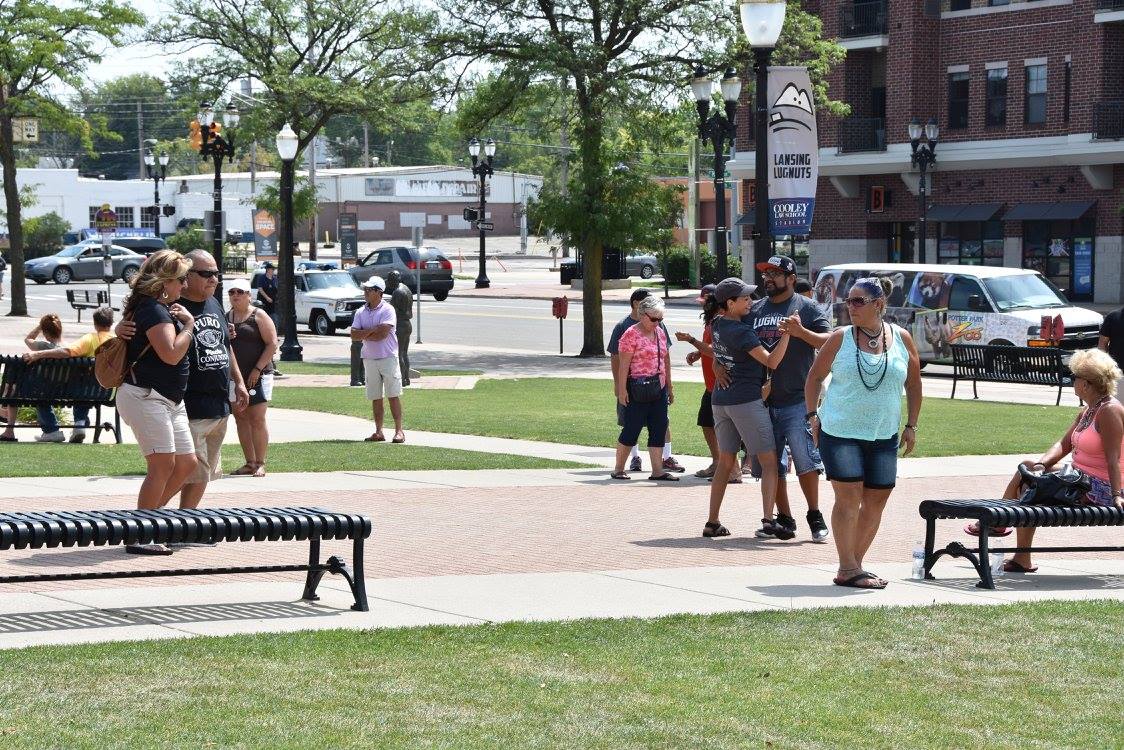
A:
374	325
856	427
784	311
740	416
402	302
50	328
85	346
668	461
644	387
254	342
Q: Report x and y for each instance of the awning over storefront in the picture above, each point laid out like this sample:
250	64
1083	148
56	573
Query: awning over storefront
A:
963	212
1060	210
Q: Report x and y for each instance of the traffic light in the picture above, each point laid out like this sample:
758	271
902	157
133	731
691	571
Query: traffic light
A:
168	210
215	130
196	136
470	214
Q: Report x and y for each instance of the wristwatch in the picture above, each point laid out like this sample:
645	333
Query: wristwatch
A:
811	414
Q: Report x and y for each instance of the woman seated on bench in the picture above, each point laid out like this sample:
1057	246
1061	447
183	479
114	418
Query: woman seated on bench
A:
1095	439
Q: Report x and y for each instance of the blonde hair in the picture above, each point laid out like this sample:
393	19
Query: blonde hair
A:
160	268
1097	368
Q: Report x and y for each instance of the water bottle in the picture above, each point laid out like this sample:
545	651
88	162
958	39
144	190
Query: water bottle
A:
918	572
996	565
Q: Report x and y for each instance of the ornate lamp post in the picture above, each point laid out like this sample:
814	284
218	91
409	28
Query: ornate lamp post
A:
291	350
157	176
720	130
762	21
924	156
218	147
482	168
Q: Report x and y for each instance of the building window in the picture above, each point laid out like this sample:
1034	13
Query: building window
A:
1065	102
148	217
93	213
957	100
1035	94
997	97
971	243
1063	252
994	3
959	4
124	216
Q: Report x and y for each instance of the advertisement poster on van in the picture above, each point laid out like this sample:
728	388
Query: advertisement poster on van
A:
794	154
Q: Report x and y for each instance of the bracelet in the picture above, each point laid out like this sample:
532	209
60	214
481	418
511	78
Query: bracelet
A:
911	427
811	414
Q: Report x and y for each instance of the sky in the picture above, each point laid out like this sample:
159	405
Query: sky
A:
133	58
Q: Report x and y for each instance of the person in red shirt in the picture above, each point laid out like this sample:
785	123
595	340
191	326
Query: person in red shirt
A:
704	354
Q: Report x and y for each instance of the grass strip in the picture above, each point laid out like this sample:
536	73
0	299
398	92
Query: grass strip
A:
27	459
344	368
582	412
938	677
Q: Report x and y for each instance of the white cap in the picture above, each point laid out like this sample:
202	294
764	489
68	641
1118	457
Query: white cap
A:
375	282
243	284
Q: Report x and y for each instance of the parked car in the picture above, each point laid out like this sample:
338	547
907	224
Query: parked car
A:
644	266
142	245
325	301
436	270
316	265
83	262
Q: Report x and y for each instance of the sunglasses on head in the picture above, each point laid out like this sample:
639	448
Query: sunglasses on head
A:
859	301
208	274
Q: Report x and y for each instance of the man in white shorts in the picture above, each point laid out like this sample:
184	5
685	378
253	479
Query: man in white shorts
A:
374	325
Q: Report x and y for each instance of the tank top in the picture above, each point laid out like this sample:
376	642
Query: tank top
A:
248	344
850	410
1088	452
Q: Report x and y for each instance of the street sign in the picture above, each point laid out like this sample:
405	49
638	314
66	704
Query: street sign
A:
25	130
105	219
486	226
349	237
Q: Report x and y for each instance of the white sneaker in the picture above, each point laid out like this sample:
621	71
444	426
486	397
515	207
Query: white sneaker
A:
78	435
51	437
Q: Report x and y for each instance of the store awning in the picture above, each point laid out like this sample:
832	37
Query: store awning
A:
746	220
1061	210
963	212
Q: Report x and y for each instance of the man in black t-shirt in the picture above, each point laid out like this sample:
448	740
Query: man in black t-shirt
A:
1112	341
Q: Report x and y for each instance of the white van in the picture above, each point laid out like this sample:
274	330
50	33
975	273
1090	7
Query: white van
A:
943	305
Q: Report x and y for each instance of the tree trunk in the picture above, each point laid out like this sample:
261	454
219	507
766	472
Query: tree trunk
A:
590	141
12	201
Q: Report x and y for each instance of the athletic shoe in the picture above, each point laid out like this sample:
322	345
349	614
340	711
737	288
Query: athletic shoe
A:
768	529
670	464
51	437
784	527
818	527
78	435
634	465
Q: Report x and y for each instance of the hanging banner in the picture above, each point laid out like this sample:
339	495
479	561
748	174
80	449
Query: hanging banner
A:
794	153
265	235
348	232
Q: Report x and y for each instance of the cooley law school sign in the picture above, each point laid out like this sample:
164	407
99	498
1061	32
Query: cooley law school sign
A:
794	153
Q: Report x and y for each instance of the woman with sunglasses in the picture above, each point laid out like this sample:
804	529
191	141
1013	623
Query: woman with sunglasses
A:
254	343
151	398
644	387
856	427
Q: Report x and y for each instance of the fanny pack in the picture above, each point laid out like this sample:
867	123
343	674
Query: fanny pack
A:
647	389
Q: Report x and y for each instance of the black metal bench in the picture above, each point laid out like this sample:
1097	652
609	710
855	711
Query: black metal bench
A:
80	300
96	528
1031	365
57	382
992	513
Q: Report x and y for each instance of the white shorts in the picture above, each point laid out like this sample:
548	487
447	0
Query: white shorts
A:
159	425
384	378
207	434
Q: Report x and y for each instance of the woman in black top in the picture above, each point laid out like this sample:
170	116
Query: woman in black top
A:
254	343
151	398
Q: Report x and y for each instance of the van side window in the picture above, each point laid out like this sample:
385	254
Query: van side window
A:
962	289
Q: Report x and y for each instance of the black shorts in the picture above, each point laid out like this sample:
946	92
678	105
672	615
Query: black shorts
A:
706	413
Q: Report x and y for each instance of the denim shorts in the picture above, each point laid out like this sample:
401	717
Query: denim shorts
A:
872	462
793	440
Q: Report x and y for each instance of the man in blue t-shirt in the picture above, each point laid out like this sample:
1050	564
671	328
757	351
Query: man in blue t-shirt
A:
669	462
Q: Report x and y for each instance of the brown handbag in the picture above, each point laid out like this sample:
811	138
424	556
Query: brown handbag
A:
111	362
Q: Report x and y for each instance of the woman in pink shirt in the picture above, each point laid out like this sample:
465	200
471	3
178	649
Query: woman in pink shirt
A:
644	387
1096	440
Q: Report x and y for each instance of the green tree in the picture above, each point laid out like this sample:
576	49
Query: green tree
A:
43	234
27	199
44	44
305	199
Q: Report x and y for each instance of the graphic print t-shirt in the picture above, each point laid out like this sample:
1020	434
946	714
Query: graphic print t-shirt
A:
208	385
791	374
733	340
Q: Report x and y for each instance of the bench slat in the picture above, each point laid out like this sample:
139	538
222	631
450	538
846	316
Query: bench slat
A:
1011	513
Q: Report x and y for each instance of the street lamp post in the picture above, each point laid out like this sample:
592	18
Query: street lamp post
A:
218	147
720	129
924	156
291	350
482	168
157	176
762	21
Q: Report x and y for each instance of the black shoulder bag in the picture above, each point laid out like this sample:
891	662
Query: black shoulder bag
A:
1065	487
647	389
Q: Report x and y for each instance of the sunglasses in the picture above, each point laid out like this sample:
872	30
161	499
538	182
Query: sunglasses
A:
859	301
654	320
208	274
233	292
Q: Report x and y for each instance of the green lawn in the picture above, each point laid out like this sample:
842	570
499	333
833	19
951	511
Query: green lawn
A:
27	459
581	411
939	677
343	368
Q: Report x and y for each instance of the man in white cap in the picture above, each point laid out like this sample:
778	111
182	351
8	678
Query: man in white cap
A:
374	325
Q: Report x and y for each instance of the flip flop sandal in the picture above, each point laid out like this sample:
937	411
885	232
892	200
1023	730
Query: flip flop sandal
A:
245	470
713	529
854	581
620	475
259	470
973	529
399	439
665	477
374	439
1010	566
705	473
6	439
735	480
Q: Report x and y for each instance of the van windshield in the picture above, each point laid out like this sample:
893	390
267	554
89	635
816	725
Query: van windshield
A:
1024	292
332	280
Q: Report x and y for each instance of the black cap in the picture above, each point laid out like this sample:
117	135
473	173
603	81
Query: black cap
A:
780	263
731	288
706	291
639	294
267	264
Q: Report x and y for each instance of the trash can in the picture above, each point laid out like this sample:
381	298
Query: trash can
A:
613	264
567	272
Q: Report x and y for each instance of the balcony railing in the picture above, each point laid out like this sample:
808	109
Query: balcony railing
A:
1110	5
862	19
862	134
1108	121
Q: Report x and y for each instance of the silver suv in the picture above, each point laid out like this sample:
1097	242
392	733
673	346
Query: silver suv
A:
436	270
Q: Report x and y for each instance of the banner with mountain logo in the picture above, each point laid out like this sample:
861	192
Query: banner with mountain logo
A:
794	154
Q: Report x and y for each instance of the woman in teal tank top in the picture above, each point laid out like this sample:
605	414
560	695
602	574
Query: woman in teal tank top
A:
856	427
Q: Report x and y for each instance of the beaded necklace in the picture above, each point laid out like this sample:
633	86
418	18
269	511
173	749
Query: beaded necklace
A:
880	369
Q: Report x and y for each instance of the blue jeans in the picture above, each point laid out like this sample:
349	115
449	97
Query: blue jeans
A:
793	441
872	462
48	423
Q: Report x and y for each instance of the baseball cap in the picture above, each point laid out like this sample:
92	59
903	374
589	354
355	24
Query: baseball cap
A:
243	284
730	288
268	264
779	262
706	291
375	282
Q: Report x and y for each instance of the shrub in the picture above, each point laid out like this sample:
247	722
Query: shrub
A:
679	265
42	235
186	240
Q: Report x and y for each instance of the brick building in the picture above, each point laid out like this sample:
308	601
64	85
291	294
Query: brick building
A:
1029	97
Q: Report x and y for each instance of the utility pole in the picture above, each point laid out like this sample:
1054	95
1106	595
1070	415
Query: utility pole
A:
316	213
693	211
366	145
140	144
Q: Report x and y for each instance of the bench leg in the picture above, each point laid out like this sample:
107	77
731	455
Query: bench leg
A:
930	540
117	424
358	586
984	566
975	395
1058	402
954	379
312	580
